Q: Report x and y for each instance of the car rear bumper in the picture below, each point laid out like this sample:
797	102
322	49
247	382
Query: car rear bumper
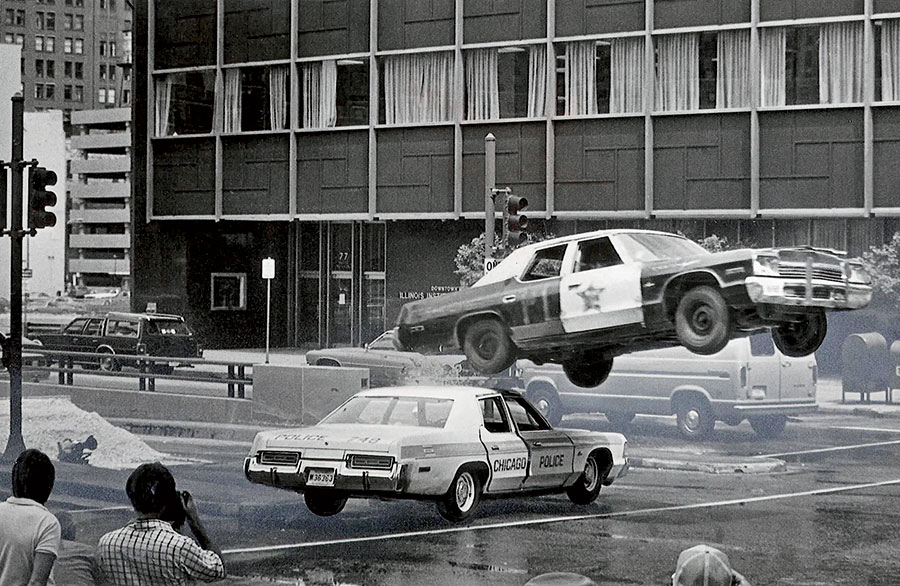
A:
803	293
750	409
361	482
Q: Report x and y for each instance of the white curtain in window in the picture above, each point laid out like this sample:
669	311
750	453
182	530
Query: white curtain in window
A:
626	73
319	94
772	50
482	92
890	60
232	120
278	97
581	78
537	81
678	72
733	75
163	91
418	88
841	63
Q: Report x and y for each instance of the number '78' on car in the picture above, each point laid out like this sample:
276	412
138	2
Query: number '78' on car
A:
448	444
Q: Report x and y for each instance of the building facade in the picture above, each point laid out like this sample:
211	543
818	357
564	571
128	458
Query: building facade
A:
70	52
99	249
345	139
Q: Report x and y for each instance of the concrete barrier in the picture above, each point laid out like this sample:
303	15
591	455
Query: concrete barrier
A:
305	393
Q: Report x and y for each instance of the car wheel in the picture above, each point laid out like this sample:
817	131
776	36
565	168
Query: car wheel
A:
464	495
803	337
587	372
619	418
694	418
324	504
768	426
488	347
547	402
587	487
702	321
107	361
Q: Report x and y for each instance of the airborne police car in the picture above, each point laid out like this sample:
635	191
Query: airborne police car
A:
581	300
448	444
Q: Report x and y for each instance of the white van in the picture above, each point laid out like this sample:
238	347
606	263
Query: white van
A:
749	379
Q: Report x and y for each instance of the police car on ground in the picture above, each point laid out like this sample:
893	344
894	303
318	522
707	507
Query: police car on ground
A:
581	300
450	444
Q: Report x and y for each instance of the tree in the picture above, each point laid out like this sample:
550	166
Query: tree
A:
714	243
883	264
470	256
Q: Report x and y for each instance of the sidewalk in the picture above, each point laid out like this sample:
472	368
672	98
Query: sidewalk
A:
828	395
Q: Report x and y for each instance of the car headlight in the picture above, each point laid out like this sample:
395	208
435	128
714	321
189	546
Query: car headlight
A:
857	273
766	265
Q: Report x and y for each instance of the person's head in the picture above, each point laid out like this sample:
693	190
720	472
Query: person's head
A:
90	443
151	489
703	565
67	526
33	475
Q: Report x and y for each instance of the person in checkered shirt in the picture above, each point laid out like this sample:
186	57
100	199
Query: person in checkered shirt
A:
149	551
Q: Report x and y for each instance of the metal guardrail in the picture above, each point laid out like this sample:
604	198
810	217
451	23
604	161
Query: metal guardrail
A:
237	377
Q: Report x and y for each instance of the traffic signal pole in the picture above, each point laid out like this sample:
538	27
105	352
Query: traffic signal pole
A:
490	181
15	444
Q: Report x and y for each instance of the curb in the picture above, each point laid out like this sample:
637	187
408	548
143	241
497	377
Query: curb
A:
762	466
874	411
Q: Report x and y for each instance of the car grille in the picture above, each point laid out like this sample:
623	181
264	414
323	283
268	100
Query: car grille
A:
279	458
370	461
822	273
800	292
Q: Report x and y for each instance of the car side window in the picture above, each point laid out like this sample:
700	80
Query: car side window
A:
525	416
122	328
494	415
596	254
547	263
94	327
76	327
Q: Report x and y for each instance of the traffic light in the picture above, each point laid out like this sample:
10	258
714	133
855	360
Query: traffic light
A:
40	198
516	222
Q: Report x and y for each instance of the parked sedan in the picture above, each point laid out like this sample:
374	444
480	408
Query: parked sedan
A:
581	300
451	445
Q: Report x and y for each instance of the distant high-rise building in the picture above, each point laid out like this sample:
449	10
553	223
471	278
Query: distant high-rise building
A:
71	52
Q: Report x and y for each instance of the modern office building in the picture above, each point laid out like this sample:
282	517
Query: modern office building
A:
100	199
345	139
70	51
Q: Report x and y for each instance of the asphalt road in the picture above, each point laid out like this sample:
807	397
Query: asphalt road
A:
830	518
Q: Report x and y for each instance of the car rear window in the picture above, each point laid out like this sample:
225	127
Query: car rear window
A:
412	411
168	327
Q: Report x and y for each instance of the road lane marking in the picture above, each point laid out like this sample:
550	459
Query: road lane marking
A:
834	449
856	428
101	509
544	521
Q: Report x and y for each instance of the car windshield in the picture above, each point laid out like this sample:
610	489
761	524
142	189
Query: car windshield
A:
412	411
643	247
383	342
169	327
510	267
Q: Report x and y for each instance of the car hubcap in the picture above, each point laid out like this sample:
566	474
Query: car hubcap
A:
590	474
465	492
487	347
692	419
702	321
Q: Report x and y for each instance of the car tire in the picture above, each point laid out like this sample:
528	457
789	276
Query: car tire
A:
587	488
619	418
463	497
324	504
546	401
488	346
768	426
107	361
702	320
587	373
694	418
801	338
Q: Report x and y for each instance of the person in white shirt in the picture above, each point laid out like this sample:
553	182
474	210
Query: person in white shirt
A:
29	533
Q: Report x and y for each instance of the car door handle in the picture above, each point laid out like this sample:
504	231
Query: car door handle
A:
495	448
574	285
509	298
537	444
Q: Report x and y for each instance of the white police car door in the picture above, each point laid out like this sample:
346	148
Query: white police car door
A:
506	452
550	453
601	291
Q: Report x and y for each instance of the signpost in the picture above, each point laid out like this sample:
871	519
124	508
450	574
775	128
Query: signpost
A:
268	273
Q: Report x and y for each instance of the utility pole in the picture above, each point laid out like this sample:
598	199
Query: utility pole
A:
490	181
16	444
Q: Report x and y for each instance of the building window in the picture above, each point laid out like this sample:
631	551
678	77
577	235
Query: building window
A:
39	68
79	3
111	96
68	21
102	48
38	91
51	68
38	43
50	44
67	92
101	95
102	72
79	46
79	70
50	91
112	72
184	102
78	93
102	4
39	20
228	291
67	69
256	98
14	17
67	45
510	82
126	97
50	21
9	38
112	48
20	40
417	87
600	76
887	60
78	23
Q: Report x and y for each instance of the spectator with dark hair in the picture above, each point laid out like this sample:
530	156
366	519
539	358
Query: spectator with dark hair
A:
703	565
149	550
29	533
77	562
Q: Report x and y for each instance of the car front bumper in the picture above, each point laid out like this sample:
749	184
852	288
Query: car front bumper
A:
807	293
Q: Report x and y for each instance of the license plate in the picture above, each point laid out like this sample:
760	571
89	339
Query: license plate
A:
320	477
